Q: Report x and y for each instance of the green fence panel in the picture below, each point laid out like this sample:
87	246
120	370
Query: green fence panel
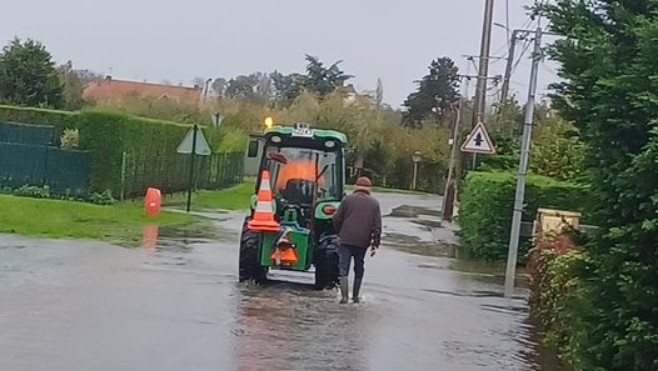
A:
26	134
65	172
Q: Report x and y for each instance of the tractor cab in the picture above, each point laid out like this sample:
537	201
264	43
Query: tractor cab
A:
306	174
307	171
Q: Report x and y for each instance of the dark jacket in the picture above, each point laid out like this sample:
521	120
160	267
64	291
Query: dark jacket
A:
358	220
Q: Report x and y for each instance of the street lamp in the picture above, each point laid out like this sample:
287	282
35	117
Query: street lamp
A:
416	158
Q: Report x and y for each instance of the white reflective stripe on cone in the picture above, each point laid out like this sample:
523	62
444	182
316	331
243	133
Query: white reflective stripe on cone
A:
265	184
264	207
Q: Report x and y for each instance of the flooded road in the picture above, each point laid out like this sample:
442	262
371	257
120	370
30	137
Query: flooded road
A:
178	306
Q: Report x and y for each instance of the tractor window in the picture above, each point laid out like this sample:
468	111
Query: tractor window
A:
294	172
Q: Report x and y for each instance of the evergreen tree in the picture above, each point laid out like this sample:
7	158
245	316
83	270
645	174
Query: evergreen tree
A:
608	62
436	93
28	75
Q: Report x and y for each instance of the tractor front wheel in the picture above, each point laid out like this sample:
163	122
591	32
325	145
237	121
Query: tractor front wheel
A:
326	263
250	267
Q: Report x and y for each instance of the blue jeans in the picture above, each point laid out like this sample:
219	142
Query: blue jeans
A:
345	255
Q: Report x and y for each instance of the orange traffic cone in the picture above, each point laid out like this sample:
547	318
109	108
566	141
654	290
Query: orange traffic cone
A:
263	220
285	252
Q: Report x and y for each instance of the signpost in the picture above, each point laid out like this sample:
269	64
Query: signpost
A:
193	144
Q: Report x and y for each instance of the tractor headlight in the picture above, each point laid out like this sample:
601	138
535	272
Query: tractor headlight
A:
276	139
330	144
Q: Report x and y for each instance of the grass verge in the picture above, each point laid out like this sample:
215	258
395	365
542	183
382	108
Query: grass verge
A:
234	198
119	224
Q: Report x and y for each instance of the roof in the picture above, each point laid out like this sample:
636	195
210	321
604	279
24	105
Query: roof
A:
111	89
317	133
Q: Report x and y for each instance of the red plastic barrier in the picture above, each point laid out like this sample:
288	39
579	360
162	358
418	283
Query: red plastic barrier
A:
152	202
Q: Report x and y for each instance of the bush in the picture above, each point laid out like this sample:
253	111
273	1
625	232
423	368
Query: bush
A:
487	202
70	139
32	191
103	198
555	293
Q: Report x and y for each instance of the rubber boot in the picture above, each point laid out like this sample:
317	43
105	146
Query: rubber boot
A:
357	288
344	290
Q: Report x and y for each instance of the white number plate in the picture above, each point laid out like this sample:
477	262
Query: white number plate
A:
302	132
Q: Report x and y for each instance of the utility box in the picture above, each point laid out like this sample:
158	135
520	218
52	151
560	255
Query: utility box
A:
549	220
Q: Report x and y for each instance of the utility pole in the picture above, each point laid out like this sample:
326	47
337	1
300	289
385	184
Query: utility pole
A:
483	70
508	75
523	167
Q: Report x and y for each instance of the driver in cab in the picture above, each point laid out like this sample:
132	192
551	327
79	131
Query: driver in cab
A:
301	167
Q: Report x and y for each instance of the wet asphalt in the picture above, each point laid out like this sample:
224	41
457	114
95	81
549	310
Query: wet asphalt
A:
177	306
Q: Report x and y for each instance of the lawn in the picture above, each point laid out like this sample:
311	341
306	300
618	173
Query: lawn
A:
120	223
235	198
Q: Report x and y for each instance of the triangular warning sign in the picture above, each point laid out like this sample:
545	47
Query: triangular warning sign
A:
201	148
478	141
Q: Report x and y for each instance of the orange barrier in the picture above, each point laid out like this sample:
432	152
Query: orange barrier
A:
263	219
152	202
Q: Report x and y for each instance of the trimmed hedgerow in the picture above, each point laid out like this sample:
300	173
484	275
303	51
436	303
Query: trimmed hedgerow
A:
487	203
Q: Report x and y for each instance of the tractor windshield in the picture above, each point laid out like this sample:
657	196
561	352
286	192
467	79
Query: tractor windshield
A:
297	172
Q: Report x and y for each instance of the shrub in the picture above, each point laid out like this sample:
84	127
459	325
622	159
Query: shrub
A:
70	139
487	202
103	198
555	293
32	191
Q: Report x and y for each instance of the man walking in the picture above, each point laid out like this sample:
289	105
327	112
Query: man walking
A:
358	222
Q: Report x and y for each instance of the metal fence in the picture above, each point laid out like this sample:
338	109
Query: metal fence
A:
171	174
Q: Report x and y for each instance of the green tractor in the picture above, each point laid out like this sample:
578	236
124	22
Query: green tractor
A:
306	174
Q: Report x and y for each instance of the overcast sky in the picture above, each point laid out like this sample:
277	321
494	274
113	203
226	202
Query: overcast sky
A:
178	40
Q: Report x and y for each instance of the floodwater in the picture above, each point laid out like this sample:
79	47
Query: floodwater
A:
175	304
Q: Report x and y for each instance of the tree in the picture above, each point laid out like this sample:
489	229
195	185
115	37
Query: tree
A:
607	58
287	87
436	93
322	80
557	151
28	75
379	93
219	86
242	87
73	83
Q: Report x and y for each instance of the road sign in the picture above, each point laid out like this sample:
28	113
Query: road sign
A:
201	147
217	119
478	141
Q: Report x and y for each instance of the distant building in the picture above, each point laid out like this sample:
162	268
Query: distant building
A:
109	89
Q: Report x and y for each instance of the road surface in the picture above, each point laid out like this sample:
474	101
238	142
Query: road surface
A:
90	306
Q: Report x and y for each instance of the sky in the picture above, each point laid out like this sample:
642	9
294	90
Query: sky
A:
176	41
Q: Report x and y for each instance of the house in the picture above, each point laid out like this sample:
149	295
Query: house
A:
109	89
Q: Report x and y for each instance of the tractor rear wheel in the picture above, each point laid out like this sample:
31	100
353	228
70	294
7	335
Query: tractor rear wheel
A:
326	263
250	267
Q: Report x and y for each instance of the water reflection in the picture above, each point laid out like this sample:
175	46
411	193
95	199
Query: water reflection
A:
289	326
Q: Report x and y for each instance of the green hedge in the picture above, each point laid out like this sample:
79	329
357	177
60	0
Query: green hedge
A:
143	149
487	203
